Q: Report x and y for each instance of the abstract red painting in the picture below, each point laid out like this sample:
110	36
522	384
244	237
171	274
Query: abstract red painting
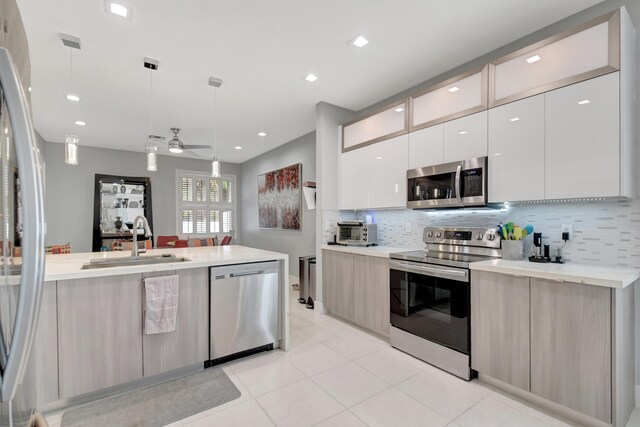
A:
280	198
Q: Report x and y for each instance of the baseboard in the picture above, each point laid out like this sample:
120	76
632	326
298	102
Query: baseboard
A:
318	307
638	396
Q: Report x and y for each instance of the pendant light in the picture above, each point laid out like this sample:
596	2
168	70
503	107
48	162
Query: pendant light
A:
152	150
71	139
215	159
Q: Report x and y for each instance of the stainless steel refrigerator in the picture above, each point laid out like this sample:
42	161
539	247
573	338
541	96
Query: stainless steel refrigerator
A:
22	256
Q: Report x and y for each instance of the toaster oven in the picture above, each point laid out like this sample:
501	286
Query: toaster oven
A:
357	233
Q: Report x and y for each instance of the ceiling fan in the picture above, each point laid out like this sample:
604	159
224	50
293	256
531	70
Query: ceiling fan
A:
177	146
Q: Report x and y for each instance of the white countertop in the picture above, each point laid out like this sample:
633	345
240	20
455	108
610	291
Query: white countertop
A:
378	251
69	266
588	274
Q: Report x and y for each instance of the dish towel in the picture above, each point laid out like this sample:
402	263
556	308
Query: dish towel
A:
161	304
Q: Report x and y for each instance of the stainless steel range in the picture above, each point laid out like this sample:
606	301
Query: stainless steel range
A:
430	295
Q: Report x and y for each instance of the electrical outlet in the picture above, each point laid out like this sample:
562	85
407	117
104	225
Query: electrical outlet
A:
567	228
407	227
327	226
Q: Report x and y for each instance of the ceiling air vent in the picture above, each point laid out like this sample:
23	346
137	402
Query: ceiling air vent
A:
70	41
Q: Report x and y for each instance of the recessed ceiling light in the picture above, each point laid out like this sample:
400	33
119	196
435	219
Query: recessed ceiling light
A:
262	134
72	97
118	9
360	41
534	58
379	158
311	78
497	154
514	119
29	88
80	123
237	147
453	89
399	110
584	101
462	132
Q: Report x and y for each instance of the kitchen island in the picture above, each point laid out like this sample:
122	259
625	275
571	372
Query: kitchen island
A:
90	340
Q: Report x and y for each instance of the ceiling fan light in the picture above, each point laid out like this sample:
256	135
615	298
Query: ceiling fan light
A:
215	166
71	150
176	150
152	158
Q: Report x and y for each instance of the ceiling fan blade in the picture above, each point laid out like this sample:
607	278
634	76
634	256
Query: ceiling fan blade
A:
197	147
193	153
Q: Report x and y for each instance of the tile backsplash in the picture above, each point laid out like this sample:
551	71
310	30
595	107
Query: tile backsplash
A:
605	233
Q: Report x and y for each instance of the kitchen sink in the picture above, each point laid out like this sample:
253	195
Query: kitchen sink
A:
140	260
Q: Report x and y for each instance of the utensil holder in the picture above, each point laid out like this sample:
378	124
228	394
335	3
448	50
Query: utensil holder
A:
512	250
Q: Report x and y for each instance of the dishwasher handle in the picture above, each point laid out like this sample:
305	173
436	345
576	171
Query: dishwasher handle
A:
242	270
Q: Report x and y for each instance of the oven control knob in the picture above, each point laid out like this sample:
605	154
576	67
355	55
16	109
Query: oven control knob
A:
429	233
479	236
438	234
491	237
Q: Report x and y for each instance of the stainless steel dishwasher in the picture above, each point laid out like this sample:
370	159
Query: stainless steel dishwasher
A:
244	310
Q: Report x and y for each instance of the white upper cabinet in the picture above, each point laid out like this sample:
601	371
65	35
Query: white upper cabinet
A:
426	147
516	151
375	176
459	96
465	138
587	51
582	139
391	121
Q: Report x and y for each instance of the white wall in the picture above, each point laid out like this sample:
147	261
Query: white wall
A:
296	243
69	190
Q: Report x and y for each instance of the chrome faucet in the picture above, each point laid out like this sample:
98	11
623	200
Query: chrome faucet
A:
147	233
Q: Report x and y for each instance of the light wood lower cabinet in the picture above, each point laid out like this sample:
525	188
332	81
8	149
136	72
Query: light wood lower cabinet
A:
99	332
371	293
500	327
189	343
337	281
356	288
45	347
571	346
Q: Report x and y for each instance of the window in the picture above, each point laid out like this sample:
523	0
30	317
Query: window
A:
205	205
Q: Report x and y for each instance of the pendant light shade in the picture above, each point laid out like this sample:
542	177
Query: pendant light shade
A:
152	158
215	166
71	150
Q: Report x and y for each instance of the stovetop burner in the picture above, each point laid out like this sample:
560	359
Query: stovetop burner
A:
455	246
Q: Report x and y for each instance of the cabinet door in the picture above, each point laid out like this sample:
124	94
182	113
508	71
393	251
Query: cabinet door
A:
99	332
426	147
465	138
337	283
553	63
371	293
354	180
390	122
516	151
582	143
571	346
45	347
456	97
387	164
189	343
500	327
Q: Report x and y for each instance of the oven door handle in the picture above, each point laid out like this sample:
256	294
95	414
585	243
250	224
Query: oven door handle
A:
445	273
458	189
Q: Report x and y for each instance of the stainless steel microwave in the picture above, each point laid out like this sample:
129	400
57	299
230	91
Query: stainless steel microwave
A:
450	185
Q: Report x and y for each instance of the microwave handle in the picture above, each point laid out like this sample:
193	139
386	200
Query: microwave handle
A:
458	189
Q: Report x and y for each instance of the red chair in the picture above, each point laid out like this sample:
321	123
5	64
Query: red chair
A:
164	241
182	244
226	241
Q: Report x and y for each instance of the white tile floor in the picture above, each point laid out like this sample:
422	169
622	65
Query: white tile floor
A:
336	375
